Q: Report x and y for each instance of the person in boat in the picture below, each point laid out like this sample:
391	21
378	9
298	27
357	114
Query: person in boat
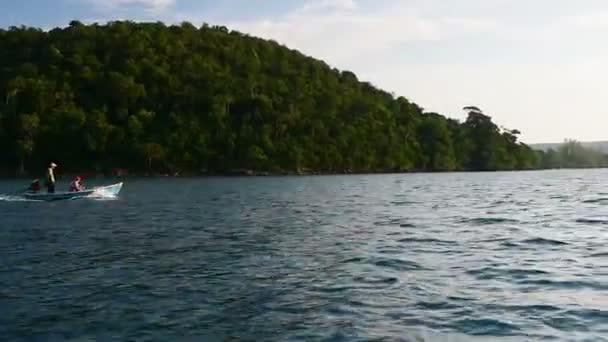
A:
76	184
50	178
34	186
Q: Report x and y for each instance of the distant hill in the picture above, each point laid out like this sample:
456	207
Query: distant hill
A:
600	146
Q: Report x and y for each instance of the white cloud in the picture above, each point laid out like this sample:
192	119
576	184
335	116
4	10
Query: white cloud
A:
337	31
327	5
588	21
149	5
547	102
539	73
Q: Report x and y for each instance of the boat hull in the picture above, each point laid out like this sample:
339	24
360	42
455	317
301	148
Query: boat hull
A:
102	191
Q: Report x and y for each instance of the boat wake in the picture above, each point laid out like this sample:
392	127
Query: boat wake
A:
94	196
14	198
101	196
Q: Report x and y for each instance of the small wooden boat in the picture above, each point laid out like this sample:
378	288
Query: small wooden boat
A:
102	191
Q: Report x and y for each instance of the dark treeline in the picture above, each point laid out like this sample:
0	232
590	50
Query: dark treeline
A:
150	97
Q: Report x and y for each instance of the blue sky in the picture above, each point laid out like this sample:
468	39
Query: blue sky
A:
538	66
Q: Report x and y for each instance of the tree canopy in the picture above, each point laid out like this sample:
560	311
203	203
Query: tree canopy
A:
151	97
572	154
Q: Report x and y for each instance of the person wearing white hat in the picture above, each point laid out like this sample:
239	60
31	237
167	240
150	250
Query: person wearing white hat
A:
50	178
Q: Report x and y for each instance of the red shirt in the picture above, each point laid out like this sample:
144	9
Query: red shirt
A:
75	186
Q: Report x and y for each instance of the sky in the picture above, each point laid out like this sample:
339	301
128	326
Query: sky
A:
539	66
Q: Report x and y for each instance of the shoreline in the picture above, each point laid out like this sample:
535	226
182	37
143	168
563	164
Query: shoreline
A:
251	173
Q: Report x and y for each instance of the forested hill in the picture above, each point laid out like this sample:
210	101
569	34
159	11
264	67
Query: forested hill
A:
151	97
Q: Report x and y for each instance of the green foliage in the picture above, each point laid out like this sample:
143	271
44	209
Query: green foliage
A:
437	144
571	154
180	98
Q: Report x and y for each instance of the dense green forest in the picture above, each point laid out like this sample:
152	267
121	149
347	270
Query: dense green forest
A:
150	97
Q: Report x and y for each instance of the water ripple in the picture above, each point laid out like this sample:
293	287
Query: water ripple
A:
417	257
431	241
543	241
593	221
482	221
565	284
396	264
486	326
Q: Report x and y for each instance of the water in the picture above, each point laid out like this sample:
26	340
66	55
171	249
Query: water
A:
430	257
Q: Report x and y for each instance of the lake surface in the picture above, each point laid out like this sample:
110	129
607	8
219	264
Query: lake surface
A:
430	257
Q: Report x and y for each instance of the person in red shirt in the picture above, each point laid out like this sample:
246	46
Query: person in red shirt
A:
76	184
34	186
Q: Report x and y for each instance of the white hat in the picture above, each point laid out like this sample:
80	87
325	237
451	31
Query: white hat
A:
53	165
